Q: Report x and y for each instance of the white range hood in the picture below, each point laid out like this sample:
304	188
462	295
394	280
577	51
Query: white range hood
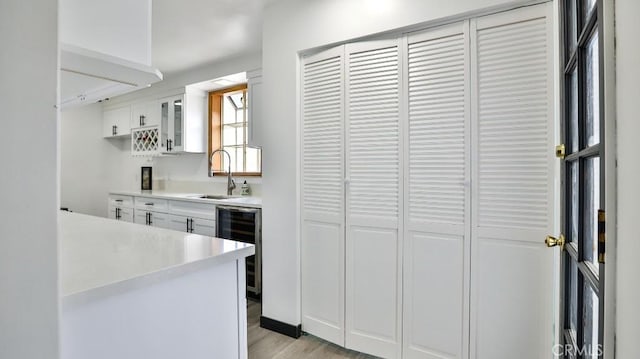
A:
105	49
87	76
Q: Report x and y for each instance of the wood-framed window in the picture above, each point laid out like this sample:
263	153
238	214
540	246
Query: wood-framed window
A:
228	130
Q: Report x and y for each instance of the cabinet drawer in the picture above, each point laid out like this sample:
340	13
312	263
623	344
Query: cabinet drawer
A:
120	201
192	209
151	204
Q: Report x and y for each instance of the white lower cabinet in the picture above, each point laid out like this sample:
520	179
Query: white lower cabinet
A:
121	213
120	208
427	189
205	227
184	216
151	218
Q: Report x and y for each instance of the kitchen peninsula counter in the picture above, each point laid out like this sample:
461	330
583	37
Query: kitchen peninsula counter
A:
131	291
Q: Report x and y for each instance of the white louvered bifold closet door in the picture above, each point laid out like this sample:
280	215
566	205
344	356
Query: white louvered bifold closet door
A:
374	190
322	243
512	296
437	238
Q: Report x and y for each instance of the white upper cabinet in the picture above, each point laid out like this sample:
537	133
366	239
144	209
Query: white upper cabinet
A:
255	121
116	122
183	122
145	114
171	125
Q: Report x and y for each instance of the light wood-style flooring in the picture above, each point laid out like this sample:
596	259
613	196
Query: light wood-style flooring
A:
266	344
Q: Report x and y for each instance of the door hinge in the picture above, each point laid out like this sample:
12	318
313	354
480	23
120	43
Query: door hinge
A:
601	236
560	151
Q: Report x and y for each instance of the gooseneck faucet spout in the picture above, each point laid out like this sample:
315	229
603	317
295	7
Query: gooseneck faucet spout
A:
231	185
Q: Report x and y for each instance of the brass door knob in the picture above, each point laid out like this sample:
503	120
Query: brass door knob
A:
551	241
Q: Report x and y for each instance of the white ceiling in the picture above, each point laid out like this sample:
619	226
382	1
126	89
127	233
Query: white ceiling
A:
190	33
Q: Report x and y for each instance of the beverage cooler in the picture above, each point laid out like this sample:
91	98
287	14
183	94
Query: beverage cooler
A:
244	225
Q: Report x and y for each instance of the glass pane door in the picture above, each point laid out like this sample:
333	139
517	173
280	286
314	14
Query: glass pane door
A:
583	255
164	125
177	123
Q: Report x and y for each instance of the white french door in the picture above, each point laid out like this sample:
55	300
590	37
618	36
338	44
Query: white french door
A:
513	201
373	198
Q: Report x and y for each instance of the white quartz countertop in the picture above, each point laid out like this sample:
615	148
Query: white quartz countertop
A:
100	256
240	201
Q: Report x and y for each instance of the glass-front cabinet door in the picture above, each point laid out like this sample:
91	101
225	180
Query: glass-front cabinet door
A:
164	125
172	124
176	140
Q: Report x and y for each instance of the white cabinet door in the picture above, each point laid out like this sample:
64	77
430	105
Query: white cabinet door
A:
116	122
205	227
512	287
178	223
437	239
322	244
373	198
121	214
145	114
150	218
255	109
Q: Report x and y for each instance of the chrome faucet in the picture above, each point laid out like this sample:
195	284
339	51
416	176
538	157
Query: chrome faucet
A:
231	185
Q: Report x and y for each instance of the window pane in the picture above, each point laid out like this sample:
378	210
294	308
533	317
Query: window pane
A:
587	6
232	154
228	111
239	160
571	17
224	162
590	323
574	211
591	206
177	123
592	96
228	136
572	306
253	160
574	128
239	136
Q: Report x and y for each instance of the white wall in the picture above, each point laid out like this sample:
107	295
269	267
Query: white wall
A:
29	180
291	26
628	123
86	161
92	165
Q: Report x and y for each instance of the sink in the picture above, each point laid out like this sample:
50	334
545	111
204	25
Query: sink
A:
213	196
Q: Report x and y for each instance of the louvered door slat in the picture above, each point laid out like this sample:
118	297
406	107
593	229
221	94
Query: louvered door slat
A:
373	160
322	243
373	133
502	144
